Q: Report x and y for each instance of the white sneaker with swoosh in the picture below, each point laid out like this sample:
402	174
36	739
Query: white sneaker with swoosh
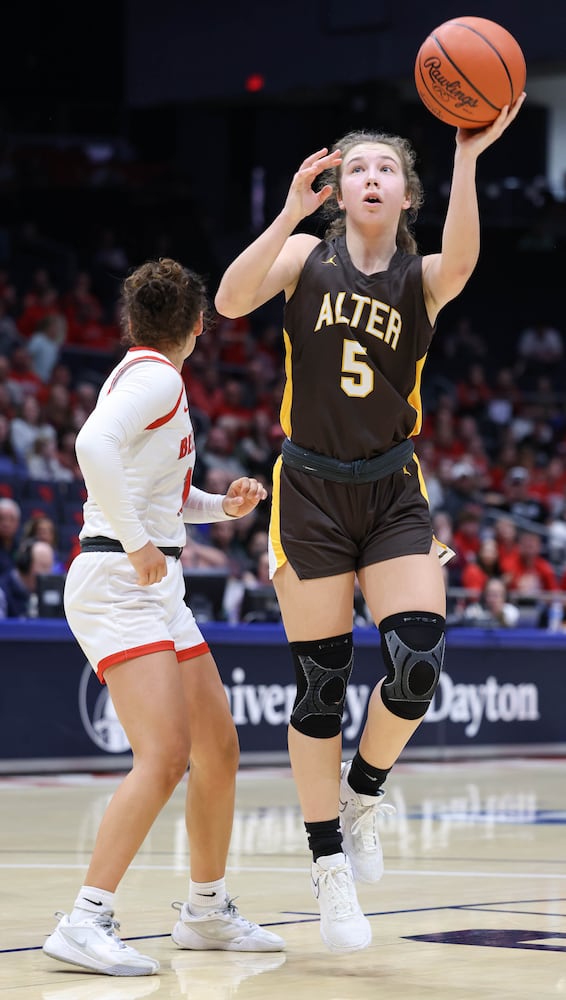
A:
359	816
222	930
343	926
93	944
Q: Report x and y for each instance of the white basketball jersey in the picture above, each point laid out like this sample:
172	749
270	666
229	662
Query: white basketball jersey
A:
136	453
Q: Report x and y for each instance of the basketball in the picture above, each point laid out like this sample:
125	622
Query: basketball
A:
467	69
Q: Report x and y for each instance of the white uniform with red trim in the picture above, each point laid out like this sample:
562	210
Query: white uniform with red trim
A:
136	453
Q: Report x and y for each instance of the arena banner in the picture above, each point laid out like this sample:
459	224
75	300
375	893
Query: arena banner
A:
499	691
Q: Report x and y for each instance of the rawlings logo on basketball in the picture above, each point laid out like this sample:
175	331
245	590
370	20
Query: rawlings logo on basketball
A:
467	70
448	90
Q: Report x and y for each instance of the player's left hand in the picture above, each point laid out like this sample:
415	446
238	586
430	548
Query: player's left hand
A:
243	496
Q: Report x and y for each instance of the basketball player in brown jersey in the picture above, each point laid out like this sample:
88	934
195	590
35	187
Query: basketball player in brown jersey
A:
349	498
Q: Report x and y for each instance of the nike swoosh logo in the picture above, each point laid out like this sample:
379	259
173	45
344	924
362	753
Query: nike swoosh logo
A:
79	939
342	805
209	894
185	409
93	901
316	887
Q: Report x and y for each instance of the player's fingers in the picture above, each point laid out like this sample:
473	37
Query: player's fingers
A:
313	158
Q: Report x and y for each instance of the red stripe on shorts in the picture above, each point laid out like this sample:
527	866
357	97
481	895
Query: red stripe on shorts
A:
189	654
131	654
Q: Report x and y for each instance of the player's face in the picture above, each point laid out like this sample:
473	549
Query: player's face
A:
373	185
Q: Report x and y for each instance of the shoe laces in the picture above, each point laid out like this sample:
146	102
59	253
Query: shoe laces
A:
232	910
365	823
106	922
340	894
110	926
229	908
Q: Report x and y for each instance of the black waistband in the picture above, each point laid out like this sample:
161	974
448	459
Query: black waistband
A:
100	543
360	471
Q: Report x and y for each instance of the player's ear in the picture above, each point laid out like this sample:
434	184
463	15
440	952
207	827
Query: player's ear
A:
199	325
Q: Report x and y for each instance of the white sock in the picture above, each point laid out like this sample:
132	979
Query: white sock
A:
206	896
90	901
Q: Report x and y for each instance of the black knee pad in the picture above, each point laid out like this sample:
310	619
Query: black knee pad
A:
322	669
412	644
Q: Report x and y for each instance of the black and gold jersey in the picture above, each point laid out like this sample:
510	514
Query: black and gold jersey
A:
355	349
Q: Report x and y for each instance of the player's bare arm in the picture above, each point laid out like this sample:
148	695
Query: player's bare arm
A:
273	262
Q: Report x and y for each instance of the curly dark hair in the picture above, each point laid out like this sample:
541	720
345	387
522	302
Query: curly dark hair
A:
160	304
407	157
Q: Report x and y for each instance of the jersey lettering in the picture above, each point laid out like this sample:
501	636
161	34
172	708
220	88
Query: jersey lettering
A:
376	318
186	446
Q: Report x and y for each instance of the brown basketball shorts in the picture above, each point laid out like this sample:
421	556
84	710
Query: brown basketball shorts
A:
325	528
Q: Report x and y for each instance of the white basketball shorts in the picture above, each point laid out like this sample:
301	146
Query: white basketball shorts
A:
114	619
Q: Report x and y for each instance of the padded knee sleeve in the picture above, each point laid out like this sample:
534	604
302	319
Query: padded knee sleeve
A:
412	644
322	669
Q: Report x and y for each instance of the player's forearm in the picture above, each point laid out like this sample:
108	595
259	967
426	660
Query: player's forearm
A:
241	289
461	232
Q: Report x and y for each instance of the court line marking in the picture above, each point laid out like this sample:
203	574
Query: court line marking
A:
410	872
307	917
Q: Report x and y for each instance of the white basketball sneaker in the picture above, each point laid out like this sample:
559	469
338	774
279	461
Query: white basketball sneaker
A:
359	824
93	944
343	926
222	930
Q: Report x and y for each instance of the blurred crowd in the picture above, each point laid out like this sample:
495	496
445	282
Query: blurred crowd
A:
492	448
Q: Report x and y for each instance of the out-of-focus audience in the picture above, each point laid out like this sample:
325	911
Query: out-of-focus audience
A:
18	585
492	449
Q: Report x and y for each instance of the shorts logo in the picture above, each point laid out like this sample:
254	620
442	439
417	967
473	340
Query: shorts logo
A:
98	715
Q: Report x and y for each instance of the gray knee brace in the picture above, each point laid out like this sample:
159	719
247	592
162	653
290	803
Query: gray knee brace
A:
323	669
412	644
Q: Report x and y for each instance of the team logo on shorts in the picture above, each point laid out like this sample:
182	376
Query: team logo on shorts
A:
98	714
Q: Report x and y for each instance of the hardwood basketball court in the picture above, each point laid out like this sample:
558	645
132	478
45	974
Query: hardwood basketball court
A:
473	902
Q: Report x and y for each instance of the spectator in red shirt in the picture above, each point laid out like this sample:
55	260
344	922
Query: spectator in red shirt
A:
549	484
22	380
507	548
467	536
530	572
484	567
203	389
444	432
41	299
233	405
473	392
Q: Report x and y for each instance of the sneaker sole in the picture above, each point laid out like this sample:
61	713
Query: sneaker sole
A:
341	949
243	945
106	970
366	879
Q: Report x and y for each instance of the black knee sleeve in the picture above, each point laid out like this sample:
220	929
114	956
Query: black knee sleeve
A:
322	669
412	644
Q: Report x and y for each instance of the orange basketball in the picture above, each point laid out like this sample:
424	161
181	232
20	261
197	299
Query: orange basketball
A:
467	69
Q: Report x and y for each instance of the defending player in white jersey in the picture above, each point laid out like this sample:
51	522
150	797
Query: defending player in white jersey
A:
124	601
